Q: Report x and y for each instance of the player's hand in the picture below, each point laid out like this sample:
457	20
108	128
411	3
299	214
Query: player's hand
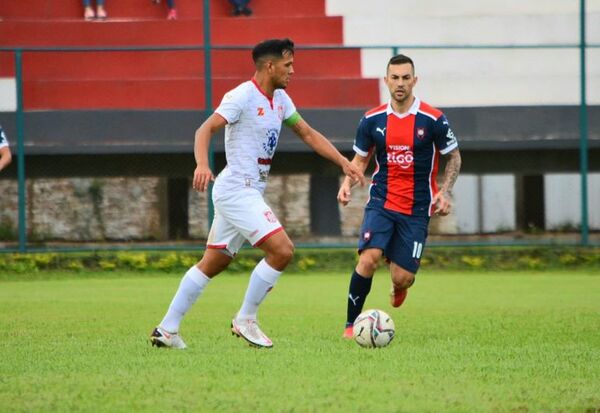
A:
352	172
443	203
202	177
344	193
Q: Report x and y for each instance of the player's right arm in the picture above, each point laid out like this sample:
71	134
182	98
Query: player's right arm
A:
203	175
5	157
361	163
363	148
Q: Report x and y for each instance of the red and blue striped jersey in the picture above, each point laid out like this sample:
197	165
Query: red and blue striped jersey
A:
407	148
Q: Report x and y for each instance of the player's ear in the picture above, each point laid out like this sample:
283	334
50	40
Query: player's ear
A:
269	65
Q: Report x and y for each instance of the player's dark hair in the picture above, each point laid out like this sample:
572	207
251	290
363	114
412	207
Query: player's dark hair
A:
272	47
400	59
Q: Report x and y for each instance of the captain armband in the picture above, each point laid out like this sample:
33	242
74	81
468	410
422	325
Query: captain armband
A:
292	120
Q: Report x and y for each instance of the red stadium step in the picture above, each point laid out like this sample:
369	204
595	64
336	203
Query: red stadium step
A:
178	64
225	31
188	93
280	8
173	79
7	64
73	9
109	33
146	9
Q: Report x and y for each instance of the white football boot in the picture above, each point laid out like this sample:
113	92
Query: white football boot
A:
162	338
251	332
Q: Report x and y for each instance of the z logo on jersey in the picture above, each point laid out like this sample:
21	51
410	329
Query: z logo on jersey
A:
260	111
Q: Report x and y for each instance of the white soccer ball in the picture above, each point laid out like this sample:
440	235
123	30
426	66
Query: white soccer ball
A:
374	328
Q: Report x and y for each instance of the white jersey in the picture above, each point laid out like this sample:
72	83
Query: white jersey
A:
251	134
3	138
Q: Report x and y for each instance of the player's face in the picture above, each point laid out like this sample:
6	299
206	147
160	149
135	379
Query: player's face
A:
281	70
400	81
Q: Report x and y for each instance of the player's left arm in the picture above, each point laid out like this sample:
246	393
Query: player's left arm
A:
323	147
443	199
447	144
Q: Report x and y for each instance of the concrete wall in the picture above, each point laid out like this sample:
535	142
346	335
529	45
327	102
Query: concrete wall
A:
562	199
82	209
86	209
489	77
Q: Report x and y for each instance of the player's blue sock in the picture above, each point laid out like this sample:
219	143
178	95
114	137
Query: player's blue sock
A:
357	294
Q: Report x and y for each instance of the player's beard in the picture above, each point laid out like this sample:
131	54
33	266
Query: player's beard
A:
405	97
282	85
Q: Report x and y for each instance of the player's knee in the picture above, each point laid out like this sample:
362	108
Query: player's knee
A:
367	265
214	262
283	254
403	279
287	253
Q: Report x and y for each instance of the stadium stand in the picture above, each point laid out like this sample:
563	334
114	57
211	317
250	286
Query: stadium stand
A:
173	79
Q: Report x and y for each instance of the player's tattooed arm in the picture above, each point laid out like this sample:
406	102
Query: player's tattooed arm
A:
451	171
442	201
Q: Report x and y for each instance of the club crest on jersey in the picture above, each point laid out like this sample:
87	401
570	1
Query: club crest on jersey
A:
420	133
260	111
270	216
271	141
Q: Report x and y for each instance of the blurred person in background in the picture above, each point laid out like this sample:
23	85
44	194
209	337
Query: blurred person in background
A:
240	7
5	155
88	12
172	14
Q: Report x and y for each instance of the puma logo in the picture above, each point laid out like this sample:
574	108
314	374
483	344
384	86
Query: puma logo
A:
353	299
381	130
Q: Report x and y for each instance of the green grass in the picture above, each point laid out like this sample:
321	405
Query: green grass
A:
493	342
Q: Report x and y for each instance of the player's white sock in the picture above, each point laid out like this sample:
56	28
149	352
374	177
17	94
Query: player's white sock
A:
191	286
263	278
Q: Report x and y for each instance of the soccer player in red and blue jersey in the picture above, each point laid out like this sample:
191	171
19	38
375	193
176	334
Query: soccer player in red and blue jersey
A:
406	137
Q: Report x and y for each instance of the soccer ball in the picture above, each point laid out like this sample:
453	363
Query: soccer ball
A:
373	328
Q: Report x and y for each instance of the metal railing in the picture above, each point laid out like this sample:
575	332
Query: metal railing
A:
207	48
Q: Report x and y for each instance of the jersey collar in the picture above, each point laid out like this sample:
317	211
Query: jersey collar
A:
414	108
270	99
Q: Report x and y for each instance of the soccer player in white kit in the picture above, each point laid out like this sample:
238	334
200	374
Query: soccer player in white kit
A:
252	115
5	155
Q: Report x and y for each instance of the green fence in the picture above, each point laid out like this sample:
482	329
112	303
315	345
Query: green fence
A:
207	47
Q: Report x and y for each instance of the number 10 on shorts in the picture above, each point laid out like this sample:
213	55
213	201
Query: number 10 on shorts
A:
417	249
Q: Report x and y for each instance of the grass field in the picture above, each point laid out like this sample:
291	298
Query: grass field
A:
493	342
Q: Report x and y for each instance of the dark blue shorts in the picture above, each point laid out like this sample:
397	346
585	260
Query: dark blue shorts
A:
401	237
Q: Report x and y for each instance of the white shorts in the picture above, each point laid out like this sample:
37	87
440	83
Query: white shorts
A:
240	215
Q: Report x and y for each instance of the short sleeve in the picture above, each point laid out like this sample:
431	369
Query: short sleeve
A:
288	106
363	141
232	104
3	138
444	138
